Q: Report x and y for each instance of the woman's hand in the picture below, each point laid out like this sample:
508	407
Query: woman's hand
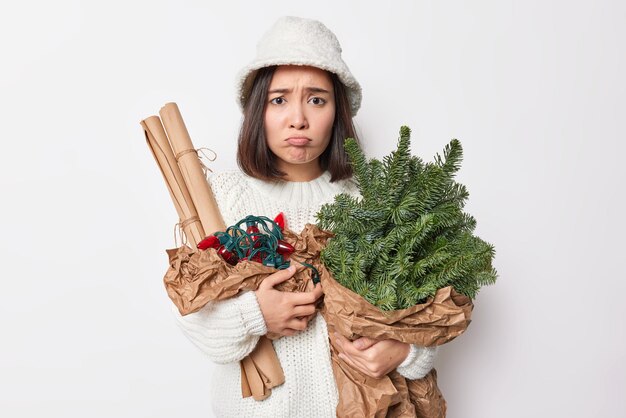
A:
372	357
286	313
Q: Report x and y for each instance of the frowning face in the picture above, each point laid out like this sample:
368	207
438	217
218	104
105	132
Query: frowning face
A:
299	118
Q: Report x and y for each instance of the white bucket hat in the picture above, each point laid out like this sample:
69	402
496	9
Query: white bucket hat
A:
299	41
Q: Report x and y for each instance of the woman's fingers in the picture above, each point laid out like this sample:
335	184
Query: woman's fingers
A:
354	357
303	310
306	298
278	277
364	343
287	332
299	324
376	361
349	348
295	325
357	364
286	313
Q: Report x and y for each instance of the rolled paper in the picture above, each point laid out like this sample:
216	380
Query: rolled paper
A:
191	169
267	365
159	145
193	198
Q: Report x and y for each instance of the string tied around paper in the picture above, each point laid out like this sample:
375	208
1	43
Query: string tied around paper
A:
179	230
203	153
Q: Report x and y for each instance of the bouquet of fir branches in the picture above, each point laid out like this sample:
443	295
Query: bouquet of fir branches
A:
407	236
401	262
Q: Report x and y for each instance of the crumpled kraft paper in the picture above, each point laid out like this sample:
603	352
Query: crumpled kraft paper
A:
198	277
435	322
195	278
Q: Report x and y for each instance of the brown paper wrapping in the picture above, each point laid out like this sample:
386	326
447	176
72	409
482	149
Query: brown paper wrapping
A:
198	277
191	169
198	212
157	141
195	278
435	322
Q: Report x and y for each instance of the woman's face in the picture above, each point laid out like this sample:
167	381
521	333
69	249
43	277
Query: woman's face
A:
299	118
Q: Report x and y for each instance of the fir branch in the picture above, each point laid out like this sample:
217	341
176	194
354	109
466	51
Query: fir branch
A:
452	157
407	236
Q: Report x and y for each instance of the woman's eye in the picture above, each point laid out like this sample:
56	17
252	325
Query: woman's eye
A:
317	101
277	100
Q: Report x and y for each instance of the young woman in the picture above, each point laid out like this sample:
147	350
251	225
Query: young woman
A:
298	99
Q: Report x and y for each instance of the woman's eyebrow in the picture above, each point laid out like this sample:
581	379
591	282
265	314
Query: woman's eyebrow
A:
317	90
308	89
279	91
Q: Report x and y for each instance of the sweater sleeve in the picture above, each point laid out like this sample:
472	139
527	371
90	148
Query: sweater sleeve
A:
418	363
226	331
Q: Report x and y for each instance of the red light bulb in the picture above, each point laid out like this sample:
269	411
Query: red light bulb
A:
280	221
228	256
284	248
209	242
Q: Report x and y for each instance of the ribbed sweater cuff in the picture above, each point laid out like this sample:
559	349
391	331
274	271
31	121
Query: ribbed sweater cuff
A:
251	314
418	363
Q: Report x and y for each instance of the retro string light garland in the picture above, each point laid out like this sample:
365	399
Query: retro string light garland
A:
261	241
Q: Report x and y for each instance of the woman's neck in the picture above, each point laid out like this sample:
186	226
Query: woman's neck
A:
301	172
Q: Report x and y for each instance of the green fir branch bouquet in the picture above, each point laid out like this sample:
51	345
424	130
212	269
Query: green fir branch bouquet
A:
400	262
407	236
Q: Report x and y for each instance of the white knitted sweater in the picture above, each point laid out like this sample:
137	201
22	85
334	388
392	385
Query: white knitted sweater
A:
227	331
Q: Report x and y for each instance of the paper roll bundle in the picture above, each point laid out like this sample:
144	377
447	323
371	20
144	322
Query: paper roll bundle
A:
261	371
200	216
158	143
191	169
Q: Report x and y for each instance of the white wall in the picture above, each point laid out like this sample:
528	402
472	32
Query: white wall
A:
534	89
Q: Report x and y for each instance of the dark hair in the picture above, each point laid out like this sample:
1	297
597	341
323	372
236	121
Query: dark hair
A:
257	160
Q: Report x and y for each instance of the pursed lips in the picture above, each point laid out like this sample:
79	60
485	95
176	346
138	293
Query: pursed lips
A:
298	141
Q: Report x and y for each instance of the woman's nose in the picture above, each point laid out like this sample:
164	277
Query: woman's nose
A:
298	118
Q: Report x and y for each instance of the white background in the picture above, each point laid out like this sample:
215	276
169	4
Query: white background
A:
535	91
